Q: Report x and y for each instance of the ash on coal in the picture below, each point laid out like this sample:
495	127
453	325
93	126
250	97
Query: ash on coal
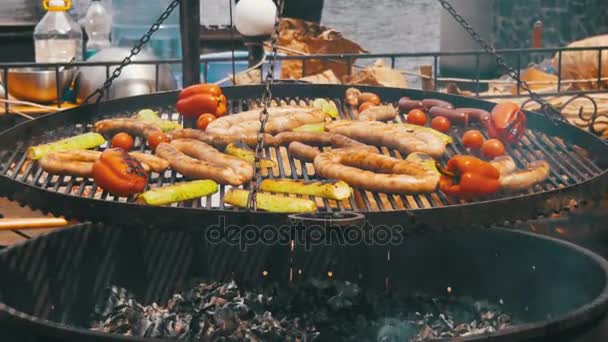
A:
316	310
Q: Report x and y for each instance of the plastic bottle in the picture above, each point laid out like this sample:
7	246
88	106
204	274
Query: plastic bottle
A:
57	38
98	24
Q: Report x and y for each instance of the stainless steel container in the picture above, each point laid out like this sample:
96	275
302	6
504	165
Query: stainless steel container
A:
135	79
37	85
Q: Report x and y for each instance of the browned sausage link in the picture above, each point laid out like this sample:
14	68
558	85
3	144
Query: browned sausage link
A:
198	169
453	115
429	103
302	151
131	126
219	141
475	113
322	139
406	105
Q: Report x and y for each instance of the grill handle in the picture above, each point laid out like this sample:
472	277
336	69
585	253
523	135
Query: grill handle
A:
336	219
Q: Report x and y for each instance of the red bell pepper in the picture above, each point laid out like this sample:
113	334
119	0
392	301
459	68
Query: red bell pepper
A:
467	176
507	123
200	99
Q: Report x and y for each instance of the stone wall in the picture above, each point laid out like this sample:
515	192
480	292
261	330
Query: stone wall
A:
563	21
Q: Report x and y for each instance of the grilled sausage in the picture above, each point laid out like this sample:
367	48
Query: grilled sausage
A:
195	159
71	163
476	114
280	119
220	141
504	164
375	172
405	139
151	162
80	162
537	172
303	152
454	115
378	113
131	126
406	104
429	103
299	143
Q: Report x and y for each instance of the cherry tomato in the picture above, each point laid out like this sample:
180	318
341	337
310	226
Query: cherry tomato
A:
492	148
473	139
365	105
416	117
155	139
122	140
204	120
441	124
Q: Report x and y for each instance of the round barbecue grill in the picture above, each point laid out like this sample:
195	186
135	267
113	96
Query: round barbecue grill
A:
579	164
557	290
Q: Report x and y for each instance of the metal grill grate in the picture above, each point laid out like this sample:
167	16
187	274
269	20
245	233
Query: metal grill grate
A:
569	165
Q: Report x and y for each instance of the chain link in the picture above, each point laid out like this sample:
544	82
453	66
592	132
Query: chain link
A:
100	92
266	102
546	108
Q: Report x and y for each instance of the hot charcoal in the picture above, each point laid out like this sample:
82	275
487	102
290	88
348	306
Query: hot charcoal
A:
316	310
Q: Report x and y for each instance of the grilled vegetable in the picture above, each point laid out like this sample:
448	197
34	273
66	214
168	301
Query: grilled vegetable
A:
148	115
272	203
416	117
178	192
423	159
492	148
369	97
122	140
507	123
242	151
328	107
80	142
119	173
446	138
155	139
199	99
441	124
336	190
204	120
311	128
467	176
203	88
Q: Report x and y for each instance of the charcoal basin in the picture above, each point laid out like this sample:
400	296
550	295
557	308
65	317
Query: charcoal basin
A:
49	285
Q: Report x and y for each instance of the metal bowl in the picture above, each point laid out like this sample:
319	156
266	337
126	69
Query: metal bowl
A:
36	84
135	79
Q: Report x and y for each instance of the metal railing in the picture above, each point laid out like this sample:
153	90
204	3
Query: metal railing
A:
349	60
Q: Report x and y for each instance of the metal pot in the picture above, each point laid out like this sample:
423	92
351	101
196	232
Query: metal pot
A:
37	85
135	79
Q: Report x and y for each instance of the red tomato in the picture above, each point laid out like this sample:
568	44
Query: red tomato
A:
204	120
365	105
493	148
416	117
473	139
441	124
122	140
155	139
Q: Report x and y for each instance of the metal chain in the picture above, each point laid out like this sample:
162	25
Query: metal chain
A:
100	92
547	109
266	102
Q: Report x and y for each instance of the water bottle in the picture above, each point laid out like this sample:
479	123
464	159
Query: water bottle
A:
133	18
98	24
57	37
